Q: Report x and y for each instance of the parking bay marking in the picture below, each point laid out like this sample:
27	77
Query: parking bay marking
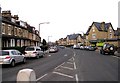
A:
67	68
60	65
41	77
63	74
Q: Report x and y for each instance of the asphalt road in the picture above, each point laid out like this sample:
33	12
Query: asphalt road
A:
69	65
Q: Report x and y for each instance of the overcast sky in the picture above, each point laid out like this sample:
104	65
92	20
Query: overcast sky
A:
65	16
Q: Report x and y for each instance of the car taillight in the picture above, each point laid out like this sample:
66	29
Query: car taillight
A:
34	52
7	57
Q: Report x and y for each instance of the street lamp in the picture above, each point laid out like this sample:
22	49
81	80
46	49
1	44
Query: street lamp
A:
48	38
42	23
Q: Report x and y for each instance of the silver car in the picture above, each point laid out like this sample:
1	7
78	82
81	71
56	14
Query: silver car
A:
33	51
11	57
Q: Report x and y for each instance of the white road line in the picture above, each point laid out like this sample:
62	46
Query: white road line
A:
69	63
74	54
65	55
75	66
49	55
76	77
60	65
41	77
67	68
63	74
116	57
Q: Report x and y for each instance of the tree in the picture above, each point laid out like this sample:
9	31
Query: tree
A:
44	45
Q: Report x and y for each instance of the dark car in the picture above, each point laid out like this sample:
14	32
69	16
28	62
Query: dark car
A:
107	48
91	48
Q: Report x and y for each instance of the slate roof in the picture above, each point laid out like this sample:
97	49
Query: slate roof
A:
117	32
98	26
73	36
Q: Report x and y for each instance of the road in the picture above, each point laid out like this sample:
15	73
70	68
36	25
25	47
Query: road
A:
69	65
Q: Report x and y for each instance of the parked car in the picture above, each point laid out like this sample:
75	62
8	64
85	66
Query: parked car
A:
33	51
91	48
11	57
76	47
82	47
86	48
107	48
53	49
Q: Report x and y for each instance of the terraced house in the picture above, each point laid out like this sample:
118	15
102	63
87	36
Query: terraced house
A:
17	33
101	32
74	39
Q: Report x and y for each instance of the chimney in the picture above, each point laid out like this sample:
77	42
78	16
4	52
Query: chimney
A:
103	25
6	13
16	17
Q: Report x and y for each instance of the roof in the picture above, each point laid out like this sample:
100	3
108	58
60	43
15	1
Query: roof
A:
99	26
117	32
73	36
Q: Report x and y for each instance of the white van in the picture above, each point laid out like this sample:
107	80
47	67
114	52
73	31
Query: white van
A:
33	51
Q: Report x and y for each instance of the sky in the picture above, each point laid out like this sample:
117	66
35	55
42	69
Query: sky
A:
64	16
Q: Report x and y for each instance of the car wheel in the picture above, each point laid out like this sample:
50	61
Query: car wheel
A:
24	60
103	52
13	63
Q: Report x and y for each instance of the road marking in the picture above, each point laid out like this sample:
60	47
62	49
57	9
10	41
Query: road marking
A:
63	74
60	65
75	66
76	77
69	63
74	54
65	55
116	57
41	77
67	68
49	55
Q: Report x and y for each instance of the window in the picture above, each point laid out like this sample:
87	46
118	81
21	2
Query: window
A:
93	35
15	31
13	53
110	35
93	29
9	30
3	28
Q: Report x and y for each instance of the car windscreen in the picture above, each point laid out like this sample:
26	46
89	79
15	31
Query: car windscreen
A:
4	53
29	49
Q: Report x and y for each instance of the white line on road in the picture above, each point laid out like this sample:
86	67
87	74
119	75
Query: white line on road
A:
116	57
49	55
63	74
65	55
76	77
74	54
75	66
67	68
60	65
41	77
69	63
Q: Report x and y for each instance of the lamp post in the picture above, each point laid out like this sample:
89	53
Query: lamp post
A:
42	23
48	38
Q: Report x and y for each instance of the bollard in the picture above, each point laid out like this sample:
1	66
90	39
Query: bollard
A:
26	75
